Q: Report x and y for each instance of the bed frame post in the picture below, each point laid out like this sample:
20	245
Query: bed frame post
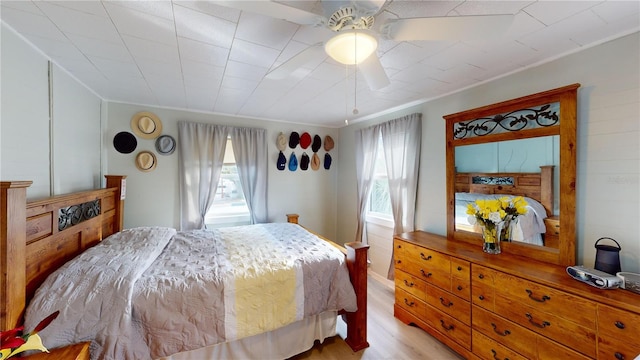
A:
357	321
120	182
13	242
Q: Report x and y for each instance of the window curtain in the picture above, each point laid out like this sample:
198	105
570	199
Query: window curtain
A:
199	164
250	150
401	143
366	144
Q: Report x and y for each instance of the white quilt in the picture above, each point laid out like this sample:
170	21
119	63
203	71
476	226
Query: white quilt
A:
168	292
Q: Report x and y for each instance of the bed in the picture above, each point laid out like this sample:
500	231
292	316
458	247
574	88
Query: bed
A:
41	237
536	188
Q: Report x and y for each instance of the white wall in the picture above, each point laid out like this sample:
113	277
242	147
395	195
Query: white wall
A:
24	121
59	153
608	191
152	197
76	132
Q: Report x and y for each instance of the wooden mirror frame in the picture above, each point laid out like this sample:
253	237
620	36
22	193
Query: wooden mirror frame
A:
565	254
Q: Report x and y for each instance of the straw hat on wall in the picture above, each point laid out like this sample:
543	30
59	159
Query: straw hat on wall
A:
146	125
146	161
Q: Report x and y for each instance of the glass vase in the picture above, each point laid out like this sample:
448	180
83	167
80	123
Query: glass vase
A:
507	228
492	236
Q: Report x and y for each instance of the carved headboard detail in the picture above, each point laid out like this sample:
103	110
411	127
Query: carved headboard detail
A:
538	186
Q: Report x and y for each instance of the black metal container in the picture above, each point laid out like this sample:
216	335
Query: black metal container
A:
608	257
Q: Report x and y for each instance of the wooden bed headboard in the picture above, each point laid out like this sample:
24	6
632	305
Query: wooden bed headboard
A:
538	186
39	236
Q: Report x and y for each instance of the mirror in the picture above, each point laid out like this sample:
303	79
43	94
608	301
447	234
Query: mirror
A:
513	156
524	146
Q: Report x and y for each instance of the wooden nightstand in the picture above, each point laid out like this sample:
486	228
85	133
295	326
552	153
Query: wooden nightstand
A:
552	236
72	352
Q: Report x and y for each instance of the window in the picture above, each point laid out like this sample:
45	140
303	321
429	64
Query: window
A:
229	205
379	200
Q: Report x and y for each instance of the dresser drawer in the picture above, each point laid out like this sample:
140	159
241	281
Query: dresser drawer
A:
551	350
555	327
422	256
486	348
410	303
410	284
461	278
448	326
430	266
576	309
618	324
449	304
505	332
482	289
432	275
615	349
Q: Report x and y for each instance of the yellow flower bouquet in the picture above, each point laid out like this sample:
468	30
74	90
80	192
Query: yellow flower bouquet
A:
495	216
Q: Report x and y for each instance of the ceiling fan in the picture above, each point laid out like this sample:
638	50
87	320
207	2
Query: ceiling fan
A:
356	19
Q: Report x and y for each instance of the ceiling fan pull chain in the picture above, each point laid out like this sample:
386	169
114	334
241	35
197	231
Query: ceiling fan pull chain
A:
355	79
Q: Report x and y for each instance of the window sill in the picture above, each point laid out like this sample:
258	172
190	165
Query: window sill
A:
379	220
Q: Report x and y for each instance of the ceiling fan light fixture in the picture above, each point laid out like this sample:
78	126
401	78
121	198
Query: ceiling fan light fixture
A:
351	46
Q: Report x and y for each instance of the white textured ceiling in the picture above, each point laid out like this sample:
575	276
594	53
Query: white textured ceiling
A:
201	56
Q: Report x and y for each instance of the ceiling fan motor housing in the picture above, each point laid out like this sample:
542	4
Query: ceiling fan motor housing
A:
348	18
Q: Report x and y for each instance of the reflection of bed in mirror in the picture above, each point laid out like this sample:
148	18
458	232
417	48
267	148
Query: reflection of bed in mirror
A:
537	188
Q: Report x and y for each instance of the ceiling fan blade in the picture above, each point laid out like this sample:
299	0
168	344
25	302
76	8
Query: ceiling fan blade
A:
374	73
448	27
274	10
302	58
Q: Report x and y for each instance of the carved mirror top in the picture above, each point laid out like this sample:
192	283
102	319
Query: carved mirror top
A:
546	115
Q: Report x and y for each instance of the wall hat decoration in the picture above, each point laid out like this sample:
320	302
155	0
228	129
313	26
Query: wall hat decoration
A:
315	162
293	162
294	139
125	142
165	145
146	125
281	142
317	142
282	160
304	161
305	140
327	161
328	143
146	161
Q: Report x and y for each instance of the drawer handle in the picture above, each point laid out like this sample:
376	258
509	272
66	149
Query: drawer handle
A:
481	276
409	303
425	258
541	326
481	297
459	287
619	325
495	355
503	333
409	284
446	327
619	356
540	300
445	305
425	274
459	268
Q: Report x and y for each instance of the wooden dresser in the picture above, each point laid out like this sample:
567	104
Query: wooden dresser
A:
505	306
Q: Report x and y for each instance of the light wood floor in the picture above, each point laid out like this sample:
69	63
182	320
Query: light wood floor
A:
388	337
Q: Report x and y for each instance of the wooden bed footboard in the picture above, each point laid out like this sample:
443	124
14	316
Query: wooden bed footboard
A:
38	237
356	256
